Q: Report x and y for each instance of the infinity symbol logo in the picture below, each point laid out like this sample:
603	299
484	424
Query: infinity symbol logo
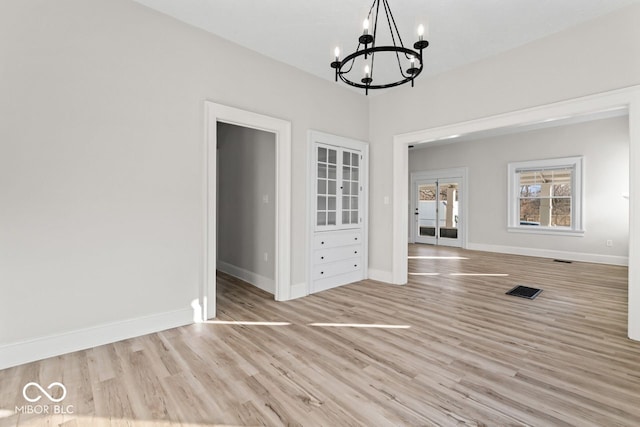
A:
44	392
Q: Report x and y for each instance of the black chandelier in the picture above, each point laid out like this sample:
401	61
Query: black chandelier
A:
409	61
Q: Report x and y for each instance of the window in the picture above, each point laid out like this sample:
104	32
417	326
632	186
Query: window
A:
545	196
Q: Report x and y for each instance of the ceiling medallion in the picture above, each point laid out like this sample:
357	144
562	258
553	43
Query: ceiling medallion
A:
409	61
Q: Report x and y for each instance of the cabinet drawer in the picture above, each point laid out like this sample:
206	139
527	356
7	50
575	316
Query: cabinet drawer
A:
336	268
341	253
334	239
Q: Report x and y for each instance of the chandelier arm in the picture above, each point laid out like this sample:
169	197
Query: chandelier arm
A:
393	20
375	34
387	11
375	25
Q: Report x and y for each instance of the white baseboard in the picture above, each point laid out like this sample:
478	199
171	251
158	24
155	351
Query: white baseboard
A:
299	290
264	283
546	253
54	345
381	275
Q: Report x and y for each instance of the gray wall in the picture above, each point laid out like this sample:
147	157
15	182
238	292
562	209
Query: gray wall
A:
246	224
605	147
101	145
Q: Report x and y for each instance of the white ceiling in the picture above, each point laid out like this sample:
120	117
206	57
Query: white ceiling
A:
303	33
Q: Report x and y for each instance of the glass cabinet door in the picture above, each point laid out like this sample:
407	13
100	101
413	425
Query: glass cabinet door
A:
350	187
327	180
338	175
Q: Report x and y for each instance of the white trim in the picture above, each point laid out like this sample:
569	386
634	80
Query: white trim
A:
576	163
255	279
626	98
550	231
453	173
299	290
380	275
53	345
314	136
546	253
215	113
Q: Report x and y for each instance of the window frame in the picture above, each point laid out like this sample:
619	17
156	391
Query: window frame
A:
577	195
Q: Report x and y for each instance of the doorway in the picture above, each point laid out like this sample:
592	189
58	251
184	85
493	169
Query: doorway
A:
246	224
622	99
215	113
437	211
438	207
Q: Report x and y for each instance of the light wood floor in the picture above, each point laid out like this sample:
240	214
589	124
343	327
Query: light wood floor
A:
457	351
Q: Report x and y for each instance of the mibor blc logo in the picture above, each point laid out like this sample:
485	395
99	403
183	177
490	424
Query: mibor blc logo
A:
34	392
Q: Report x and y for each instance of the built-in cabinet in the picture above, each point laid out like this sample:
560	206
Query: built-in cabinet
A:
338	205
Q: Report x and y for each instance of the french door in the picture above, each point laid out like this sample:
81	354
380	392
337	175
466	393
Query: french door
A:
437	212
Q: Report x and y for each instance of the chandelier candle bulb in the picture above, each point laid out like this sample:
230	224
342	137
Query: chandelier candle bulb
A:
337	53
367	71
420	32
365	27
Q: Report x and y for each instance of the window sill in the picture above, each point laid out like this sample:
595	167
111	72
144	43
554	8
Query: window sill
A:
547	231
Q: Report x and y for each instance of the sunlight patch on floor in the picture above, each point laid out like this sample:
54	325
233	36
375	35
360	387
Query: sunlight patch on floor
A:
245	323
424	274
359	325
434	257
479	274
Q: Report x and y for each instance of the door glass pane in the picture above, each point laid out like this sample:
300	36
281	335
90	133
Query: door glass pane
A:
322	218
332	156
346	158
448	197
322	186
332	203
427	209
331	218
322	203
345	202
354	159
354	217
322	154
346	172
332	172
322	171
345	217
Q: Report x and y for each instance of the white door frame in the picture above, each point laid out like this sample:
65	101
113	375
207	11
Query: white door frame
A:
627	98
215	113
453	173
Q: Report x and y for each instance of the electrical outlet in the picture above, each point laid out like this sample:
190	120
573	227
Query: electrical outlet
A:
609	243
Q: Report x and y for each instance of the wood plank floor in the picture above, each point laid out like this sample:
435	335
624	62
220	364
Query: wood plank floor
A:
450	348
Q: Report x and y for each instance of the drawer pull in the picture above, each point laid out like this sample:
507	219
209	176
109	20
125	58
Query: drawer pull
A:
355	238
322	243
355	265
321	257
322	272
355	252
